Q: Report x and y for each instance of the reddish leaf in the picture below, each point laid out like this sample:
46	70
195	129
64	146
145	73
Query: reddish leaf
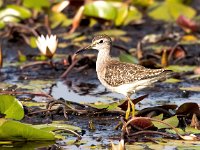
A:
142	123
77	19
176	52
187	24
188	108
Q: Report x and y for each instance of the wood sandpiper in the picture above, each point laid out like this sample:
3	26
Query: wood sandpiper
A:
121	77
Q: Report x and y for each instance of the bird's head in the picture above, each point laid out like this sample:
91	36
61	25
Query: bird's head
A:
99	42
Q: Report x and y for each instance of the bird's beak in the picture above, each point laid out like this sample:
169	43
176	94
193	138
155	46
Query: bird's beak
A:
83	49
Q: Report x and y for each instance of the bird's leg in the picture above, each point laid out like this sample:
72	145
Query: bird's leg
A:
127	111
130	103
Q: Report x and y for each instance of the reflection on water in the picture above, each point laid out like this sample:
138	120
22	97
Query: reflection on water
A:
80	93
94	92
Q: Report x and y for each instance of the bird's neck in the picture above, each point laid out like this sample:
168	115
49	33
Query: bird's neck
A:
102	59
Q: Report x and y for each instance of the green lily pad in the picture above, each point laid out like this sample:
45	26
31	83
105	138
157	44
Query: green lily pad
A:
109	106
36	3
17	131
57	125
14	13
173	121
100	9
170	10
122	13
11	107
112	32
133	15
172	80
58	18
178	68
128	58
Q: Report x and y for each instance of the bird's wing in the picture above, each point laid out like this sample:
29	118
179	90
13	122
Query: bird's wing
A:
118	73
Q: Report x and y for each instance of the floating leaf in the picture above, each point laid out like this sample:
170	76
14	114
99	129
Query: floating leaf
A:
192	88
180	131
108	106
159	117
168	12
13	13
173	121
57	125
187	24
11	107
21	57
128	58
142	123
143	3
191	130
122	13
36	3
188	108
100	9
189	38
133	15
2	24
172	80
178	68
58	18
13	130
112	32
32	41
126	14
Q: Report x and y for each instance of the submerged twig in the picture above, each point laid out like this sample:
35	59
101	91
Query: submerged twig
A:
70	131
149	132
36	63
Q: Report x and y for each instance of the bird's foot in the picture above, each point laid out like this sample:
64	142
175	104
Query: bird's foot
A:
131	106
128	111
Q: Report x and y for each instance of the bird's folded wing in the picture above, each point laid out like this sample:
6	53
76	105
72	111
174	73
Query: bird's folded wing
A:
118	73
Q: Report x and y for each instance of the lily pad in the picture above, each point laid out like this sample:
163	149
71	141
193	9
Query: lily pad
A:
14	13
58	18
178	68
16	131
57	125
11	107
173	121
36	3
100	9
172	80
112	32
170	10
128	58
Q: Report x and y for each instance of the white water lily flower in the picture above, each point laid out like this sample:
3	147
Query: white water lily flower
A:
48	45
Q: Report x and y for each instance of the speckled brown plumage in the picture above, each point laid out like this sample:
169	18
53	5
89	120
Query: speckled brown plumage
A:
118	73
121	77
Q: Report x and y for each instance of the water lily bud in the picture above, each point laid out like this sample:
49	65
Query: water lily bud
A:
48	45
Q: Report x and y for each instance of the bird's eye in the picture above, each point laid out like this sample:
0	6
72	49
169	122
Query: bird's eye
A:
101	41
